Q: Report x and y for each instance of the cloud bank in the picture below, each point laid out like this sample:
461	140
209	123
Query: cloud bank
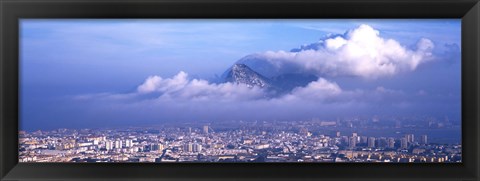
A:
180	87
360	52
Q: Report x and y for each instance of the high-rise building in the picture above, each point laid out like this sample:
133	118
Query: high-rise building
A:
423	139
404	143
118	144
205	129
410	138
391	143
371	142
352	142
354	134
128	143
109	145
188	147
338	134
197	147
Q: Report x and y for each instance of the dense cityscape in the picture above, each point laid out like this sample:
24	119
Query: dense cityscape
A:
239	141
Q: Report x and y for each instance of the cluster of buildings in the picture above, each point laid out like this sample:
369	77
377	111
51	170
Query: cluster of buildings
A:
244	144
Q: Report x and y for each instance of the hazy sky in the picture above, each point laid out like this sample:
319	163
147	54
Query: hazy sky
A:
94	73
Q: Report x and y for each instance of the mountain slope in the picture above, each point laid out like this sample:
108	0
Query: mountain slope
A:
242	74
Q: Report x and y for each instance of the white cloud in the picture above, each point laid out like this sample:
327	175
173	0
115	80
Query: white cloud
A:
317	90
360	52
157	84
195	99
180	87
335	43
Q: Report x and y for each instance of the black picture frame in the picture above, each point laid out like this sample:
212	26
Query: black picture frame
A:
13	10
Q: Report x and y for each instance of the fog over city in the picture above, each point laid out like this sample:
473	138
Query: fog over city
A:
358	68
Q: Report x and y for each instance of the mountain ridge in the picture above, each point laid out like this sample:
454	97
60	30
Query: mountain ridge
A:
242	74
277	85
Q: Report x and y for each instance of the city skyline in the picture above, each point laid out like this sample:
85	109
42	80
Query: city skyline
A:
250	142
104	73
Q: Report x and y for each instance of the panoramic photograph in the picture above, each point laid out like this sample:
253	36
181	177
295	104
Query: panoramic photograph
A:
240	90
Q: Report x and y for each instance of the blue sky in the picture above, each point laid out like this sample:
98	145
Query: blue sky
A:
62	60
